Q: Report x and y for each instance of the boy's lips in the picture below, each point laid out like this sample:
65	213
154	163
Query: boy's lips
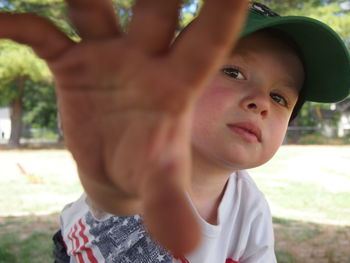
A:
248	130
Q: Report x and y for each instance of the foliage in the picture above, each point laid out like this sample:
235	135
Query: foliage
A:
15	61
316	139
40	107
53	10
332	14
19	60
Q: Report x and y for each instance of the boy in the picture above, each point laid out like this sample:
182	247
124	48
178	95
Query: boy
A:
258	90
188	148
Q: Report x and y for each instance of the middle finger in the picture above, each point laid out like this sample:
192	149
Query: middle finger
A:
153	24
94	18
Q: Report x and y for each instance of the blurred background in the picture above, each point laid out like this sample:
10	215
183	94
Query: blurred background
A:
307	183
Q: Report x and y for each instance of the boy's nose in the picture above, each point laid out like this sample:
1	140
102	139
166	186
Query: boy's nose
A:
258	104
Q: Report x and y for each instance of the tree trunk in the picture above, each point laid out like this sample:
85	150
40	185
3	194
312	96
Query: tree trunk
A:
292	3
16	112
295	133
59	125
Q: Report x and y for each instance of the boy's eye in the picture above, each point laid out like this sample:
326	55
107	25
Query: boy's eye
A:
279	99
233	73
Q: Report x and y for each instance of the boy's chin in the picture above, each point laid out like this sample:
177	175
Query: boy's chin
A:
246	162
236	165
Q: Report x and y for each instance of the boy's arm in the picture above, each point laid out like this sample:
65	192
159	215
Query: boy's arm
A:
125	101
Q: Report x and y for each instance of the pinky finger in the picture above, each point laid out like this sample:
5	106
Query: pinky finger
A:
47	41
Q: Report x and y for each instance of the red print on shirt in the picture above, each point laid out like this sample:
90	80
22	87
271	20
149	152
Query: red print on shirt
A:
184	260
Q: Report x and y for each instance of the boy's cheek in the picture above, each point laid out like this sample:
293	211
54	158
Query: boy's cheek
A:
215	99
274	139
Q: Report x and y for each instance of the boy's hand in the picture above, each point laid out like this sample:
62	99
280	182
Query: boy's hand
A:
125	101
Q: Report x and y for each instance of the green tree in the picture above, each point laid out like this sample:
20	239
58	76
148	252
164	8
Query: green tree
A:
333	13
17	65
39	105
26	82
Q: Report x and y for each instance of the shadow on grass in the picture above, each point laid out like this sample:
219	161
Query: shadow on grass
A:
27	239
298	241
36	146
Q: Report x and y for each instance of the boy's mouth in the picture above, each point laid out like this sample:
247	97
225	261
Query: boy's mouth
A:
248	130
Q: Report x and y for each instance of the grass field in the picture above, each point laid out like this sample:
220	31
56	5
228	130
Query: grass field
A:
308	183
308	188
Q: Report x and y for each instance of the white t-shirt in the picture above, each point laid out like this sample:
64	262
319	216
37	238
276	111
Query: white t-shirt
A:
244	232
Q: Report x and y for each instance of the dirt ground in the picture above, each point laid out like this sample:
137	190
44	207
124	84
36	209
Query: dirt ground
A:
311	243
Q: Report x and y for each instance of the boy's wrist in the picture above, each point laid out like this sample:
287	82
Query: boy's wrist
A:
105	197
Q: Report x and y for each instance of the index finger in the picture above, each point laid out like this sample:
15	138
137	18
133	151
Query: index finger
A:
202	46
94	19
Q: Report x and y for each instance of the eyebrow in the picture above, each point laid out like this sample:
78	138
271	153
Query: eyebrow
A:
292	87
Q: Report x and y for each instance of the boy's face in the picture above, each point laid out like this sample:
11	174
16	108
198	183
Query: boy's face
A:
241	118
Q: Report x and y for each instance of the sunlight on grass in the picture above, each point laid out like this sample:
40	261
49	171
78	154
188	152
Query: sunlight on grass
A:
48	182
308	183
307	187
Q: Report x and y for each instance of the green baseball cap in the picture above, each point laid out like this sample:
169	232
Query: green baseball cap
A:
324	54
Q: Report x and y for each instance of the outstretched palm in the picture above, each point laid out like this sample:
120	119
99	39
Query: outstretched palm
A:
125	101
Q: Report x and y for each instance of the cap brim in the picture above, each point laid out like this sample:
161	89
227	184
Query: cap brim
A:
325	56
